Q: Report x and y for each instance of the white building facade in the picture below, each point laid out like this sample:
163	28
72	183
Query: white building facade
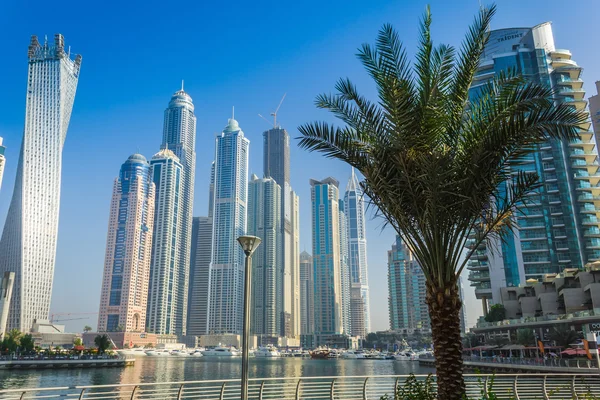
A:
28	244
226	279
164	297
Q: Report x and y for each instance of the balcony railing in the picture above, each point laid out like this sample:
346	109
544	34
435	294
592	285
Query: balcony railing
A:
509	386
545	318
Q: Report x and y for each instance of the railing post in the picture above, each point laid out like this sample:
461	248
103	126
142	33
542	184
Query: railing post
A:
260	392
365	389
22	395
180	392
485	386
573	390
81	394
298	389
133	392
331	389
396	386
515	387
222	391
545	388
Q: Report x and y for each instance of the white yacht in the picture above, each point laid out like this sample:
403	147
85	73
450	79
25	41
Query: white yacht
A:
157	353
221	351
266	351
196	353
179	353
353	355
402	356
139	351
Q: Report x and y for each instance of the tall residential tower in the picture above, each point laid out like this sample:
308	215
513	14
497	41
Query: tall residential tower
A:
306	294
2	161
124	293
28	244
559	228
594	111
229	222
179	136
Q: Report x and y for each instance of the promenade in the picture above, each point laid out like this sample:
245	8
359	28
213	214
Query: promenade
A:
523	365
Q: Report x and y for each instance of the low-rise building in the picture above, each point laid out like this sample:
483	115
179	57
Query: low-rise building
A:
45	334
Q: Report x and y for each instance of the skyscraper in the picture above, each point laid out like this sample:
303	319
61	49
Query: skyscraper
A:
276	164
201	256
407	290
327	316
164	297
594	111
179	136
264	213
229	223
28	244
354	208
306	293
124	293
560	226
2	161
344	271
199	274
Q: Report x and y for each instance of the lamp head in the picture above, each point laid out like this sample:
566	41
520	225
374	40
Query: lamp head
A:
249	243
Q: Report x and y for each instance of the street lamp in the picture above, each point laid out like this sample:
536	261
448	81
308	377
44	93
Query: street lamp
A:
249	244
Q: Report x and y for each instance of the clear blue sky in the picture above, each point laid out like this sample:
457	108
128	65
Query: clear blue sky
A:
242	54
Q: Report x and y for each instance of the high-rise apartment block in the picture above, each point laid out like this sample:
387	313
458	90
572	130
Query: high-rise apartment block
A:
2	161
199	275
124	293
28	244
179	136
229	223
559	228
406	285
164	297
594	112
264	213
344	271
306	294
327	276
354	209
276	165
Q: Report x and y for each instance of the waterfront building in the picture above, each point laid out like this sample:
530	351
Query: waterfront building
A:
2	161
357	311
179	136
559	228
594	112
463	310
354	208
200	258
28	244
264	213
6	288
407	290
276	165
229	222
344	271
327	289
306	294
164	300
124	293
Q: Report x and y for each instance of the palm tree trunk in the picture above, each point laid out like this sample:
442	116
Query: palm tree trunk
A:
444	309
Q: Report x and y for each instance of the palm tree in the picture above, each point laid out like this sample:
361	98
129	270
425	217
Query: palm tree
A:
526	337
436	163
564	336
87	328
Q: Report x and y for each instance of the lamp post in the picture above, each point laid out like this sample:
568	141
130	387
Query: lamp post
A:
249	244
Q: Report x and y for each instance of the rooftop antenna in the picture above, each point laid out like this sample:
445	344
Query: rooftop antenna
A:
232	112
182	85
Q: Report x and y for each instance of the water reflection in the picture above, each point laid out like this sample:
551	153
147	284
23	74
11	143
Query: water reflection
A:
174	369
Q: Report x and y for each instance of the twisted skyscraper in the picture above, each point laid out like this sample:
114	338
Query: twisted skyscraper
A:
28	244
179	136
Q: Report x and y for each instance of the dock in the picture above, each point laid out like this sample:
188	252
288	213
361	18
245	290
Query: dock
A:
66	363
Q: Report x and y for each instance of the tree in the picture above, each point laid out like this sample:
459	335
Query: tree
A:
87	328
77	341
471	340
497	313
149	345
564	336
526	337
102	342
436	161
11	341
27	343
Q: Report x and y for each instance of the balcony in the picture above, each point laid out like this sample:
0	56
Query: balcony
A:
479	276
562	53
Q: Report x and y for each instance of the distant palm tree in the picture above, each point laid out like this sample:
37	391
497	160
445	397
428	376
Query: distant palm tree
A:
87	328
564	336
435	161
102	342
526	337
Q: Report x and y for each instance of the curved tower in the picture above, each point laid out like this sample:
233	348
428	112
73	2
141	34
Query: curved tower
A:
179	136
28	244
124	292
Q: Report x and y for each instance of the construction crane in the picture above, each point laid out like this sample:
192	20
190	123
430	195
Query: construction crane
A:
54	319
274	113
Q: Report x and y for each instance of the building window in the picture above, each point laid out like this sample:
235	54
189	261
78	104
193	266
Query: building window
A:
112	322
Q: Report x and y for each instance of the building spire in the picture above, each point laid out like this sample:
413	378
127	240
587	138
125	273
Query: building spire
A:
182	85
232	112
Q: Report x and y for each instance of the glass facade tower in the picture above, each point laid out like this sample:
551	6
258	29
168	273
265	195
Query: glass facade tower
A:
560	227
28	244
2	161
229	223
179	136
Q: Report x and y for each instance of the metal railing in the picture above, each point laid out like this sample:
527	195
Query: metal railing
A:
509	386
551	362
